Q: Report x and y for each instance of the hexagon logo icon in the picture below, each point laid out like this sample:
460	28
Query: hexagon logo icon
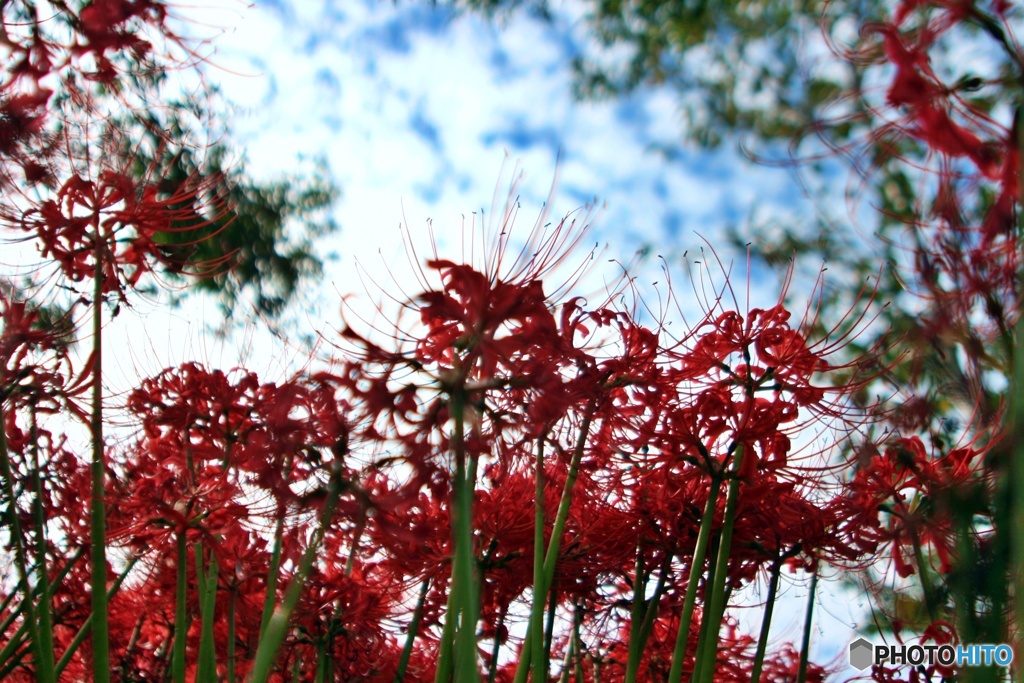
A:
860	654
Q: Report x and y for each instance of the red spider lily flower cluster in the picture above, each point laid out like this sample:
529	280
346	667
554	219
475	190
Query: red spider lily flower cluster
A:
901	481
948	154
638	427
579	427
47	46
66	169
113	221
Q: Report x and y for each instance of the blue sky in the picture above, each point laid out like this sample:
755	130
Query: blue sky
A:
416	107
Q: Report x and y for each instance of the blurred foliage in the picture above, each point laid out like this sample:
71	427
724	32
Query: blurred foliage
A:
258	246
737	66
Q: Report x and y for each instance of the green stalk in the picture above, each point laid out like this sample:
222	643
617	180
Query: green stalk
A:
1016	418
350	563
923	569
180	612
766	620
551	558
410	637
97	509
696	569
492	669
86	628
572	651
45	671
21	562
716	608
636	614
464	586
651	606
321	660
567	662
207	665
705	621
12	655
805	645
9	655
443	673
13	615
271	639
549	630
130	650
537	610
273	573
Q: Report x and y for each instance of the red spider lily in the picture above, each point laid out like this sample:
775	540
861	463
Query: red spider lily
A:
103	26
116	219
280	435
47	52
531	381
961	263
899	480
99	30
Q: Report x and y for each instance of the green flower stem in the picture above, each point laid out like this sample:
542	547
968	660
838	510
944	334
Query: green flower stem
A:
5	604
492	668
651	606
805	645
549	630
696	569
537	610
551	558
97	509
86	628
207	664
180	612
766	620
465	580
571	649
567	662
1016	427
910	522
273	573
322	660
271	639
15	641
43	673
636	614
12	614
357	534
410	637
45	670
13	653
572	652
443	673
705	622
716	608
